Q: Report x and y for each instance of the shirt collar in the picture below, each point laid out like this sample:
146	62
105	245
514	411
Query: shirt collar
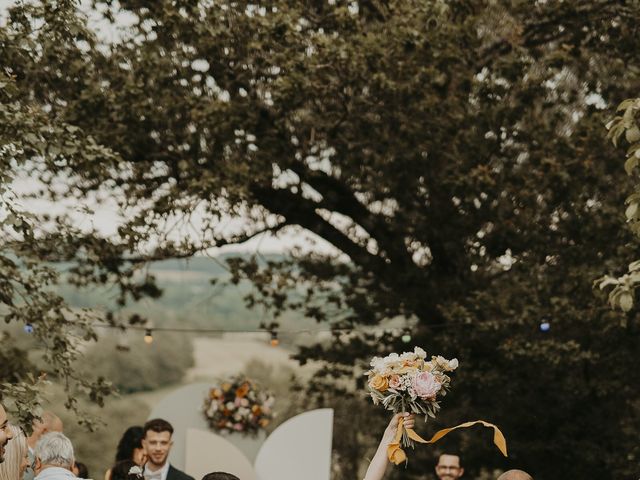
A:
55	472
158	474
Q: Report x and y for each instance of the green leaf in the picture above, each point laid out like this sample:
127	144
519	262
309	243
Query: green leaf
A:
630	164
631	211
626	301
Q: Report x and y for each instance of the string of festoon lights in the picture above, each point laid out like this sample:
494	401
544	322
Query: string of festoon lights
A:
274	332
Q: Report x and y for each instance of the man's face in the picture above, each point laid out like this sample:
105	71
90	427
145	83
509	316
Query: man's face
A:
5	432
448	467
157	446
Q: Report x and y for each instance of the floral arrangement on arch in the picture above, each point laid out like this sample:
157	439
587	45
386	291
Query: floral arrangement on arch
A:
238	405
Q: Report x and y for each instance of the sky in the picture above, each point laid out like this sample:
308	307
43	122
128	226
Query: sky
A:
107	217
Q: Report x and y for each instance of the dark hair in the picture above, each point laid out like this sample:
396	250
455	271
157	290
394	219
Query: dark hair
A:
157	425
219	476
83	471
451	453
120	471
131	439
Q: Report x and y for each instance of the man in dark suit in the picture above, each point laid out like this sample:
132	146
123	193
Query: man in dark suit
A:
157	443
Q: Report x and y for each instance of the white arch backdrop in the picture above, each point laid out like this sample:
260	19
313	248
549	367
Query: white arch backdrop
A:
299	448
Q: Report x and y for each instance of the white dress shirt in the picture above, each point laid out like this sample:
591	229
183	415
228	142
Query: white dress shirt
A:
160	474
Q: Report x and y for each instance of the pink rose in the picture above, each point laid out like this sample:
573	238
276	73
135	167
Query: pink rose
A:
426	386
394	381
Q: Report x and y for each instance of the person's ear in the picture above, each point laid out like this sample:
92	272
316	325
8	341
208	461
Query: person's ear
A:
461	471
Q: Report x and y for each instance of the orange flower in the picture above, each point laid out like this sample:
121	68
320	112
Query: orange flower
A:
380	383
263	422
242	391
256	410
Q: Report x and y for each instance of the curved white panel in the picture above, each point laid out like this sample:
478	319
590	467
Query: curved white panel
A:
207	452
298	449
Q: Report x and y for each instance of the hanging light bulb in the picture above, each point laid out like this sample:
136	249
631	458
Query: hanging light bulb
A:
28	328
148	337
406	336
274	338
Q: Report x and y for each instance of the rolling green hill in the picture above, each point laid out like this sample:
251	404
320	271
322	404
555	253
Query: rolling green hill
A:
189	298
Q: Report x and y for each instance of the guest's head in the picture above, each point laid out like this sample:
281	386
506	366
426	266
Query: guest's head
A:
48	422
6	433
130	446
53	450
157	442
80	470
219	476
120	471
16	459
449	467
515	475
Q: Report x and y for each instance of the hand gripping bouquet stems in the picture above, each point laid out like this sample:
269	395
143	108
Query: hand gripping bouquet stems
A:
411	383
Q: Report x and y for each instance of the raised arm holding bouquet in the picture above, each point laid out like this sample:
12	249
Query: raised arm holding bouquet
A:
410	384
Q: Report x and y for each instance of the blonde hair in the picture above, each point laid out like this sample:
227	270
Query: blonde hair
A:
15	452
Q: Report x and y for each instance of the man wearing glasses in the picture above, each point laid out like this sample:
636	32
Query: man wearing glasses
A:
448	467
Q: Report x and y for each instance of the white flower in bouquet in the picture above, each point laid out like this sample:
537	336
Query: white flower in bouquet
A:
420	352
444	364
408	356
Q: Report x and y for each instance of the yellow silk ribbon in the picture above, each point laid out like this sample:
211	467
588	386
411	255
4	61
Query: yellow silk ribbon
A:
397	455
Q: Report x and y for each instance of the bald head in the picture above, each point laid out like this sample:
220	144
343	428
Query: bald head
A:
52	422
49	422
515	475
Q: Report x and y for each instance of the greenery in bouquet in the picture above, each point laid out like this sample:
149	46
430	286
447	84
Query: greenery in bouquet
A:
238	405
410	383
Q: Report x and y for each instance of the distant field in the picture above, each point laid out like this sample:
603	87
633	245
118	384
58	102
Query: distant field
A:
189	299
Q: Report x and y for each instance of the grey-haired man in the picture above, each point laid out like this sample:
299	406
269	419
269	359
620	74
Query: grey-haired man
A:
54	457
49	422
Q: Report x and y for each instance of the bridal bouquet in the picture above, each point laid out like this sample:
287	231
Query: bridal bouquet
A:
239	405
411	383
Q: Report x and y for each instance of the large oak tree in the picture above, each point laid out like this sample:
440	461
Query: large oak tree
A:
452	152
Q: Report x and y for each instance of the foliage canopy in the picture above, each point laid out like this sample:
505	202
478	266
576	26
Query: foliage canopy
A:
452	151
